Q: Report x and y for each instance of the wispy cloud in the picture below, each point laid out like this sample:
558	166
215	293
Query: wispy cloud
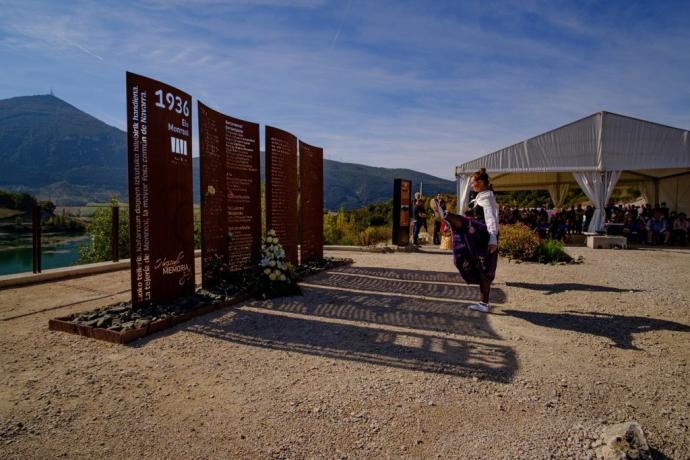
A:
80	47
424	85
340	26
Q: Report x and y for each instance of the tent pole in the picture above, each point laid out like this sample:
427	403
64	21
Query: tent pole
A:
656	192
458	205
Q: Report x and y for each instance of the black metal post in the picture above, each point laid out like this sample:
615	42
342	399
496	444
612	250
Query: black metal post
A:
115	234
36	237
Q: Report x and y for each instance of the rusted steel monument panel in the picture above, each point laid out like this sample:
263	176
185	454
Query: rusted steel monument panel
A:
311	201
230	190
281	189
402	190
159	143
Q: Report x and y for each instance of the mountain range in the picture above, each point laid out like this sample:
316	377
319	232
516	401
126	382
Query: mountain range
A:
55	151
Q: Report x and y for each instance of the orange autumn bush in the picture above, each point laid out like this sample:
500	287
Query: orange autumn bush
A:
518	242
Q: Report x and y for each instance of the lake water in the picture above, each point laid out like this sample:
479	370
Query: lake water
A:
58	251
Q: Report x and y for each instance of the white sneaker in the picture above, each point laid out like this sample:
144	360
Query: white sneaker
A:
481	306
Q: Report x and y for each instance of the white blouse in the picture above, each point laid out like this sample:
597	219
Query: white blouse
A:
487	201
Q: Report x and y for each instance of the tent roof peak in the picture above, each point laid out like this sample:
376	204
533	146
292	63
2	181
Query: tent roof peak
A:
601	141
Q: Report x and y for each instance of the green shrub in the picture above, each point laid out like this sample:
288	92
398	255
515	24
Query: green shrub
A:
366	226
521	243
551	251
518	242
100	230
339	228
373	235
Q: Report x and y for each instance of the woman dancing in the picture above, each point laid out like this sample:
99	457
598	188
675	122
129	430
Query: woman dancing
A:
475	241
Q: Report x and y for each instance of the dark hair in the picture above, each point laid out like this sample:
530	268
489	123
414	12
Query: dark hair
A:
481	175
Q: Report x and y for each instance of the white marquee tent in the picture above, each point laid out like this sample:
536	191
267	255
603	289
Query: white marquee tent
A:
597	153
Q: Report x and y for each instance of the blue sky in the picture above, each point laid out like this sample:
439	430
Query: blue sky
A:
420	84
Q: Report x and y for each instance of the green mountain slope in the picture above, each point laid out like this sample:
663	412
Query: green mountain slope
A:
353	185
46	142
55	151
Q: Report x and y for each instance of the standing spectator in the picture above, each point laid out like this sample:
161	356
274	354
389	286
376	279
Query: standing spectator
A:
647	211
579	218
553	228
419	217
664	210
517	216
589	212
680	229
570	219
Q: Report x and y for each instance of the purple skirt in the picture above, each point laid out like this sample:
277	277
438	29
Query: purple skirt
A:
471	253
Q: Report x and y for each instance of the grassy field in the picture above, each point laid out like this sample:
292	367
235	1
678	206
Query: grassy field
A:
88	210
5	213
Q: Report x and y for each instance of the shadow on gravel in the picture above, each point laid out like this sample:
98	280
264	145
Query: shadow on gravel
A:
617	328
658	455
391	321
387	276
555	288
668	249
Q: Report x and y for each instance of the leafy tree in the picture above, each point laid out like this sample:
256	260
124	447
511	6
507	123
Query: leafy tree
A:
24	201
6	199
47	206
17	200
98	249
197	234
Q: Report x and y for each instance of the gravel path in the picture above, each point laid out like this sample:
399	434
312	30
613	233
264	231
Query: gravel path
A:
381	359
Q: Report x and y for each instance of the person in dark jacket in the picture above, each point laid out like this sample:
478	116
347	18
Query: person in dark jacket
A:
419	214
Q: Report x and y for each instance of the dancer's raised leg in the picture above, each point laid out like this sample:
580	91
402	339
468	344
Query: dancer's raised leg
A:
456	222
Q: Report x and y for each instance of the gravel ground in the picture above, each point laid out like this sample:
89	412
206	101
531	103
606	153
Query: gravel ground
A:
381	359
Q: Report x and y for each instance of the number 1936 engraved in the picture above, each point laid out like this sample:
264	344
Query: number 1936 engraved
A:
173	103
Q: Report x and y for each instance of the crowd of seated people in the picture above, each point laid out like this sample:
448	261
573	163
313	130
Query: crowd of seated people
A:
645	224
549	224
650	224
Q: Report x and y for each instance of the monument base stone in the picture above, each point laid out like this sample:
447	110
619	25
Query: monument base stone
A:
607	242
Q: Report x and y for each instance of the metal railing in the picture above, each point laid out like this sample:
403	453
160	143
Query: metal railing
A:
36	236
115	250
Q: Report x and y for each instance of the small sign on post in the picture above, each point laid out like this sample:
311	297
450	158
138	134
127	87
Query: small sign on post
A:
401	211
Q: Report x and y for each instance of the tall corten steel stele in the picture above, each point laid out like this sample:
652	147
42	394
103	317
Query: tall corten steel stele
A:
402	190
311	201
230	192
281	189
161	223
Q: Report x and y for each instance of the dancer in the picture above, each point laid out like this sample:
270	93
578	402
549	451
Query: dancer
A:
475	241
